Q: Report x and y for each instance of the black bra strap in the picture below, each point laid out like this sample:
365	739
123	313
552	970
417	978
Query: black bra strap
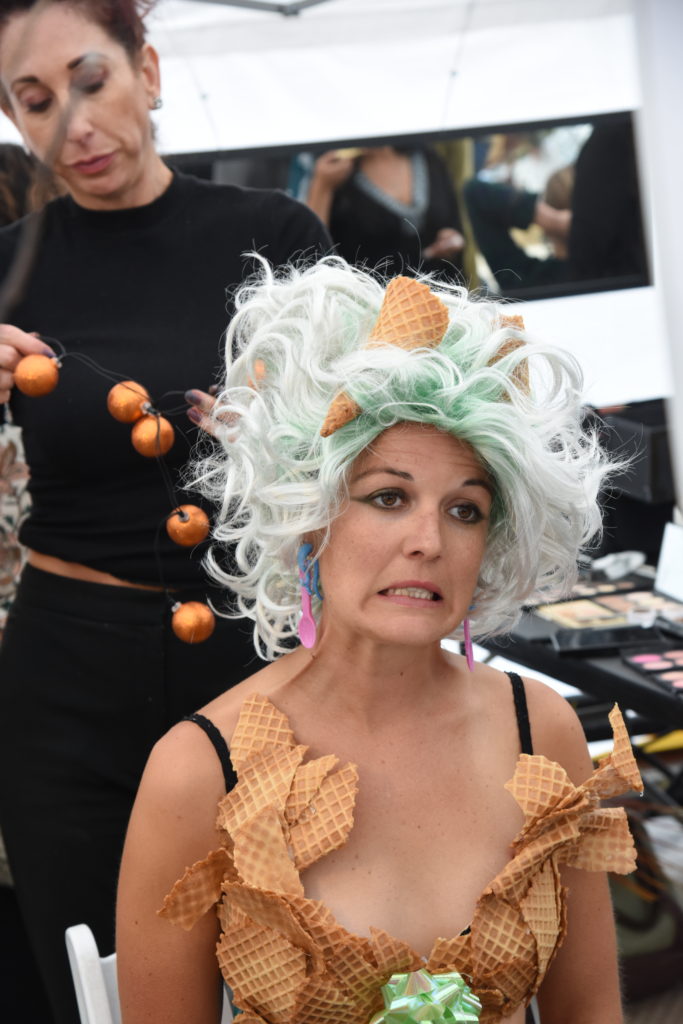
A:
522	712
220	746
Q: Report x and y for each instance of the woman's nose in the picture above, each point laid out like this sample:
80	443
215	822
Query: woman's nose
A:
78	126
423	535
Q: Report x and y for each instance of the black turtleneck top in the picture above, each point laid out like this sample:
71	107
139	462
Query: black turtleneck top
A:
145	292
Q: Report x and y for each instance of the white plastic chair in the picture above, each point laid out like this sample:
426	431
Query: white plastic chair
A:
95	981
94	977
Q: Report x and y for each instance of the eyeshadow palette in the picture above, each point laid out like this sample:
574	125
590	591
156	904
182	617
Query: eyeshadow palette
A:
581	614
661	666
613	610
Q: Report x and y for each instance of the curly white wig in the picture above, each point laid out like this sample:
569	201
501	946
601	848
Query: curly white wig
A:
298	339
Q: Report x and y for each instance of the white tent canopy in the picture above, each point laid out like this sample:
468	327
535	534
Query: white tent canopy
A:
236	79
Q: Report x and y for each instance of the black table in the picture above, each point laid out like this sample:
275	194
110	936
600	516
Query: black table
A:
604	677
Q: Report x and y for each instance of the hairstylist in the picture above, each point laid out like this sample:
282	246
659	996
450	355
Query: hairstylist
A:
132	272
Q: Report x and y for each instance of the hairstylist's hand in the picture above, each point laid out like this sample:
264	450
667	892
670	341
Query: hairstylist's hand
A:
201	403
332	169
14	345
448	242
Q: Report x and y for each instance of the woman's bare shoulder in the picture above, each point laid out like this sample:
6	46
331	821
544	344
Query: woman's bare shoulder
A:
224	710
556	729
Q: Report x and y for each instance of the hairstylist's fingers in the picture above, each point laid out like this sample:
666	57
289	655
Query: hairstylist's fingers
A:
201	400
15	344
201	403
333	169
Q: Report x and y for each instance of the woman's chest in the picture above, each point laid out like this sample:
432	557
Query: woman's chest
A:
421	851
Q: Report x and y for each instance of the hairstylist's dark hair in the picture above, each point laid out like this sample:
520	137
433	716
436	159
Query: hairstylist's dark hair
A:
123	20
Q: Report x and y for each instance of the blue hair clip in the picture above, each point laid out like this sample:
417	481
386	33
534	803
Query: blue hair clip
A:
309	574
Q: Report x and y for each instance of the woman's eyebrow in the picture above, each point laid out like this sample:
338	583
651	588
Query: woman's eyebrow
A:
383	469
478	482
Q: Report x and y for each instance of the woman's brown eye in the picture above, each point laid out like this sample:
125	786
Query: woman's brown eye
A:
466	513
386	499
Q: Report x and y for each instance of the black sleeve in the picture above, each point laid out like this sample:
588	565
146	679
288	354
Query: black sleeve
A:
296	233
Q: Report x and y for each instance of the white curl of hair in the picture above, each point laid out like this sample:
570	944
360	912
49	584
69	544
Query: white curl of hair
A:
274	479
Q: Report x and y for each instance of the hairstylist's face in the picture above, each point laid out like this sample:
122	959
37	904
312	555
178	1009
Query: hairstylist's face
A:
404	556
82	105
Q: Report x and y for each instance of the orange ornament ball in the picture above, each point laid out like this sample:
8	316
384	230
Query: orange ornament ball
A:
152	436
188	525
193	622
36	375
125	401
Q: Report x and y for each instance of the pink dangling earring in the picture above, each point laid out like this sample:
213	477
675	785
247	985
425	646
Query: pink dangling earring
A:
469	654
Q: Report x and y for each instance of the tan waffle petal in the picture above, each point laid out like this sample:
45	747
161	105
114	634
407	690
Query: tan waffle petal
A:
322	1002
392	955
261	855
452	955
620	768
248	955
260	725
271	910
328	821
198	889
320	923
541	911
307	782
341	411
265	779
539	785
229	915
512	881
606	843
249	1017
410	316
356	976
503	947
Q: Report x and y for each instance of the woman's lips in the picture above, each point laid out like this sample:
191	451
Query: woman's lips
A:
95	165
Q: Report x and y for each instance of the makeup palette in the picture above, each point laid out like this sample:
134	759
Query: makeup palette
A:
661	666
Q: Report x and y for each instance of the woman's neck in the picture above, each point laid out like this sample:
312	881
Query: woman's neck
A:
372	673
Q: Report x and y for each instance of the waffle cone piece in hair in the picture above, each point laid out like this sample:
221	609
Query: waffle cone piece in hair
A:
287	958
410	317
520	374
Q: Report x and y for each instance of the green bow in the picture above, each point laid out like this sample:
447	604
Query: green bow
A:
421	996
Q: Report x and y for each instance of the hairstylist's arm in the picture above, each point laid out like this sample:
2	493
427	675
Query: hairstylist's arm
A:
330	171
583	981
14	345
165	973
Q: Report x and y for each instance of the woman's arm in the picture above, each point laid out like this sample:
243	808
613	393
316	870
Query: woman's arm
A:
165	973
330	171
582	985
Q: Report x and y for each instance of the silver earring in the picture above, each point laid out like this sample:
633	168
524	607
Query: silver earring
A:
157	103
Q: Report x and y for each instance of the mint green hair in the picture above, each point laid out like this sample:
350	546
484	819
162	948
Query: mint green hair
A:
275	479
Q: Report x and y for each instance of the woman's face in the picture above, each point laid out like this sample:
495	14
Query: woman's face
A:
68	80
404	555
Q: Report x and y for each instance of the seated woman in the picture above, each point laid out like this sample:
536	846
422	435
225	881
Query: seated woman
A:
408	465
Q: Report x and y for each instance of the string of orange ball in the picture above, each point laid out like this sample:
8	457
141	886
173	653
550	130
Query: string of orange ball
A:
152	435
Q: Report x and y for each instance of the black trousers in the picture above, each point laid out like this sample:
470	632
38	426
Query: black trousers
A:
90	677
